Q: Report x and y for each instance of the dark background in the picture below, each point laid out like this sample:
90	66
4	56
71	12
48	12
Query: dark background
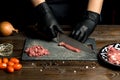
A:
110	12
20	12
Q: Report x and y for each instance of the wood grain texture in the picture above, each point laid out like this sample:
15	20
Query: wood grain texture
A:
106	34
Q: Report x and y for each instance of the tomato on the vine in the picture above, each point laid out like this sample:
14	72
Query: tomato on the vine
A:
15	60
17	66
3	65
0	60
5	60
10	69
10	63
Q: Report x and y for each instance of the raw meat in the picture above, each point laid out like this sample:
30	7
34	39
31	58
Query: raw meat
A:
36	51
113	55
69	47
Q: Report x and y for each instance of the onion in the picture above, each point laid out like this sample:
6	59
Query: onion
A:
6	28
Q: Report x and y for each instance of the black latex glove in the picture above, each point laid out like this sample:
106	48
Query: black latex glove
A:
47	24
83	29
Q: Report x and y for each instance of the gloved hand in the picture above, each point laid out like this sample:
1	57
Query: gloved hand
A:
47	24
83	29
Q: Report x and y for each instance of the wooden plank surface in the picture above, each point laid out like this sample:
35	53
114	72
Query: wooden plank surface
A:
66	70
106	34
84	71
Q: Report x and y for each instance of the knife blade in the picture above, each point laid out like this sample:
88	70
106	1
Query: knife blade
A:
64	38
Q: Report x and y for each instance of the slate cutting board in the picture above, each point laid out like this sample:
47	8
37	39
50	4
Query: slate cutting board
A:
58	52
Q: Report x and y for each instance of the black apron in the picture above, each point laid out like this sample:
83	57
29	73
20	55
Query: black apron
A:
68	11
21	12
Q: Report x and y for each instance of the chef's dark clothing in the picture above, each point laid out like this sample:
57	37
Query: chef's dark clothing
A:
65	11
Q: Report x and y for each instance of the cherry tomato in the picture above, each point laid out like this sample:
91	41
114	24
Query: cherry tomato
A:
5	60
0	60
10	63
10	69
17	66
3	65
15	60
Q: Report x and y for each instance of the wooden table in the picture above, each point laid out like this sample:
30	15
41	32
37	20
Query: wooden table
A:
65	70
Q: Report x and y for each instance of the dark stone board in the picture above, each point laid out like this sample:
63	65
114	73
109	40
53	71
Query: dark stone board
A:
58	52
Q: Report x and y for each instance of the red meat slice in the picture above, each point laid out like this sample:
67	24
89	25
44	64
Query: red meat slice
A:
69	47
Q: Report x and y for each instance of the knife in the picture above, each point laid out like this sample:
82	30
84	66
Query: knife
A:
61	37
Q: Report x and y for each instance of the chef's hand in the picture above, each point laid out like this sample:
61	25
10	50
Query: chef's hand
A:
83	29
47	24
